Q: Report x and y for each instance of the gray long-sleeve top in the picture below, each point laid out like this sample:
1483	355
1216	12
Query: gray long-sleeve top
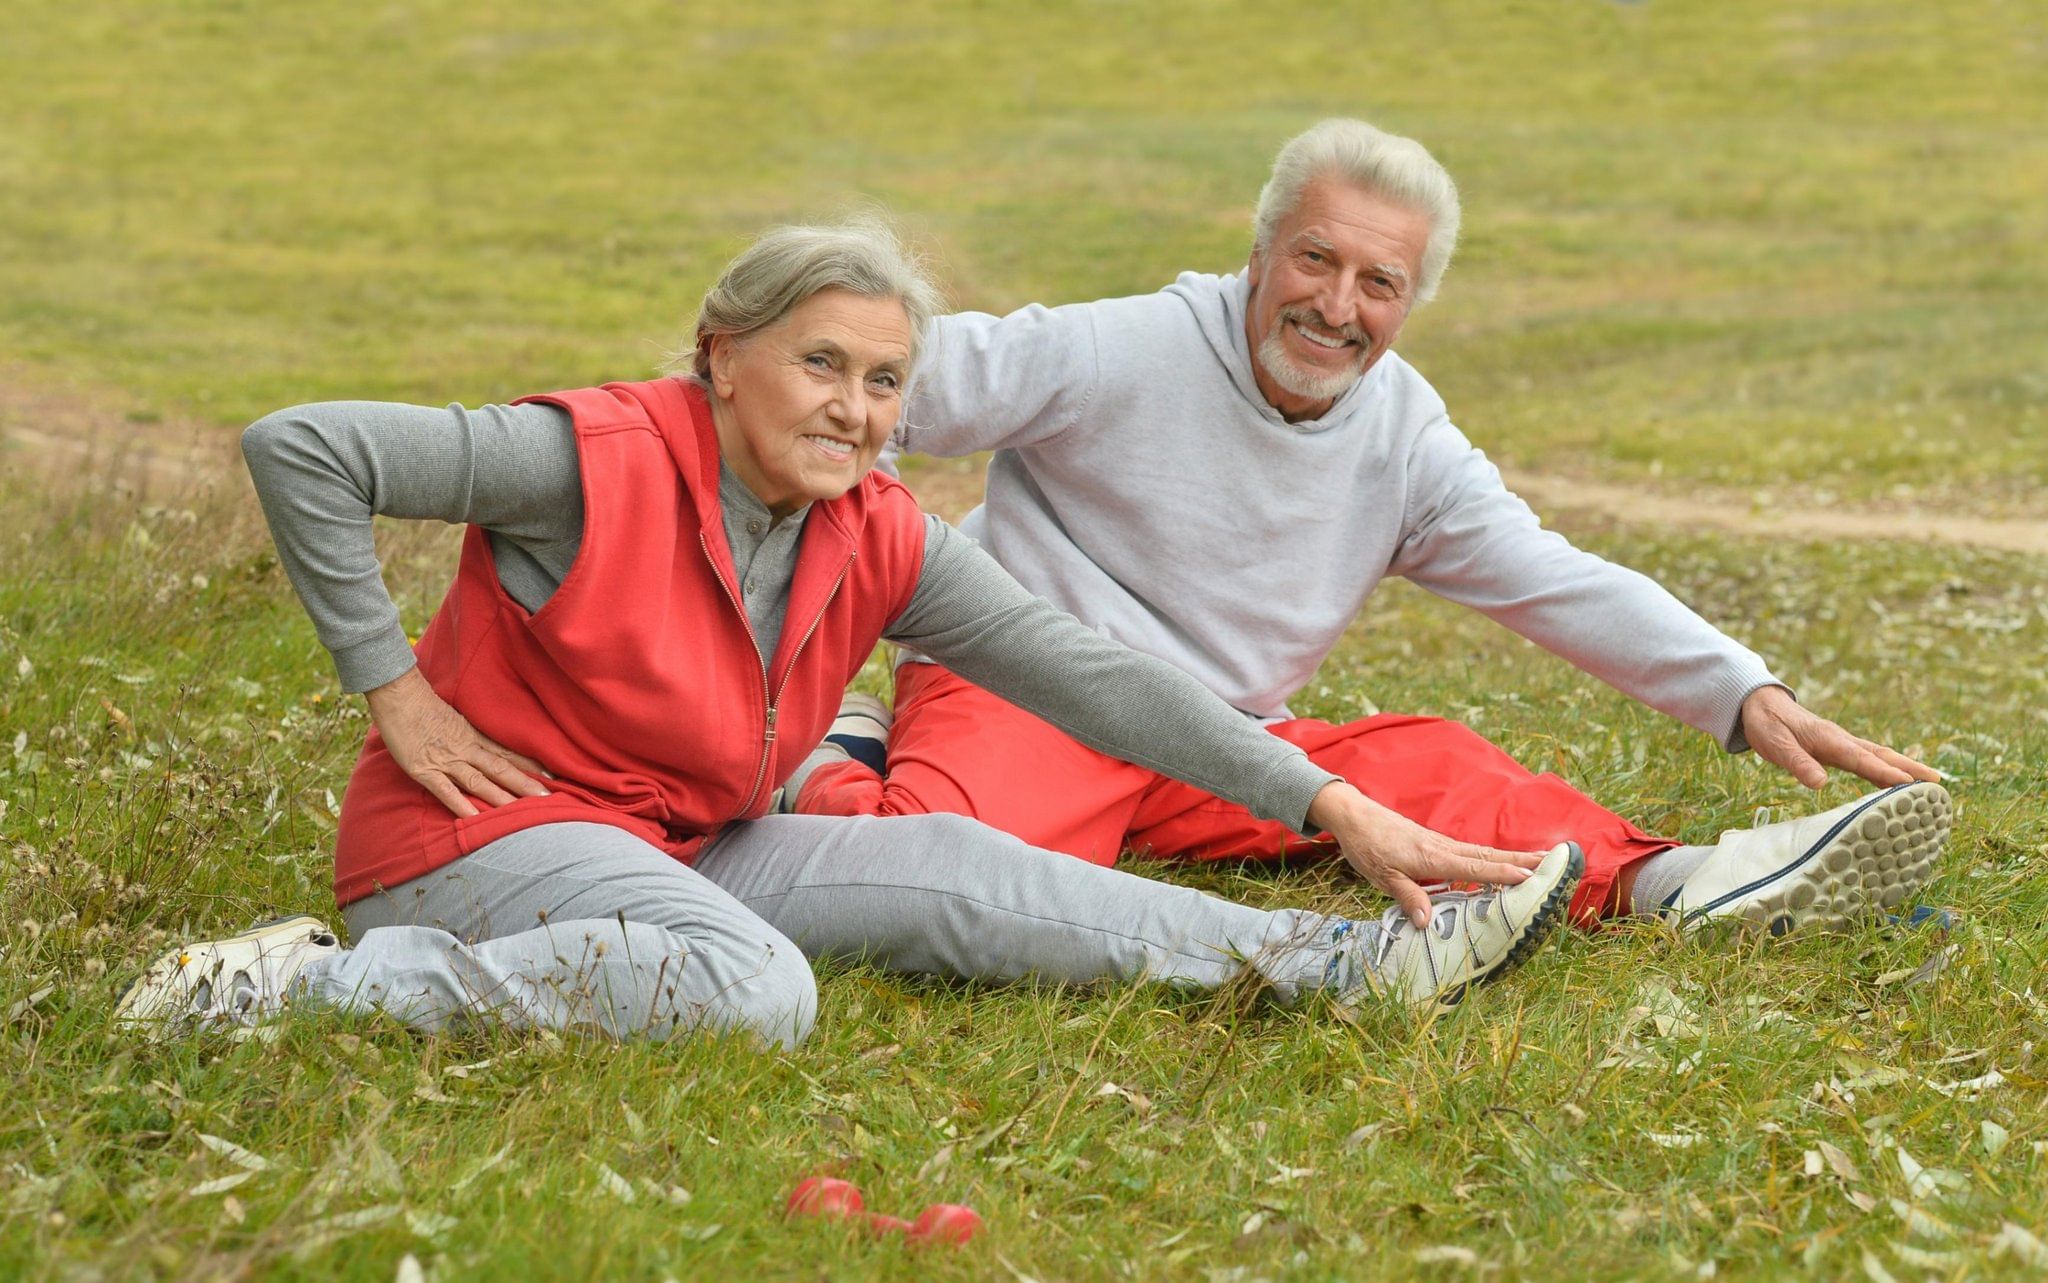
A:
322	471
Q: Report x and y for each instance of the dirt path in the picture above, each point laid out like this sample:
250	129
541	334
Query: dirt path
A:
65	435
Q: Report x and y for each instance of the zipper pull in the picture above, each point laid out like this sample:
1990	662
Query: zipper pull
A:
770	739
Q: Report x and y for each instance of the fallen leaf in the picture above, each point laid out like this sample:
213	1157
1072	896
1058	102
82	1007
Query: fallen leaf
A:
235	1153
1971	1087
1664	1010
1285	1175
615	1185
1840	1162
699	1233
1993	1137
1813	1162
1920	1221
2018	1240
482	1167
1446	1254
409	1270
429	1224
1673	1140
221	1185
22	1006
1874	1269
380	1169
1922	1259
1360	1135
937	1162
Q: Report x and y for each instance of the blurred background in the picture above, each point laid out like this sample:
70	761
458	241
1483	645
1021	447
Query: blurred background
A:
1740	245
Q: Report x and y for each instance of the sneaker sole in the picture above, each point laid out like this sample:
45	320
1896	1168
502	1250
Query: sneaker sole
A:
125	1008
1868	864
1542	924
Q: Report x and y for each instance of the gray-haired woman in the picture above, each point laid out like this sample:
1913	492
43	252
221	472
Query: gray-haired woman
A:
560	818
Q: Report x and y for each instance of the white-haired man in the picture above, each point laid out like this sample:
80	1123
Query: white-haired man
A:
1220	474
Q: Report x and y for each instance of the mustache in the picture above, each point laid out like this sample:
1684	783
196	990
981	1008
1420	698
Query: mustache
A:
1310	316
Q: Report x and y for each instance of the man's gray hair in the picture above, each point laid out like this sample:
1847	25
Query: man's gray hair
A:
789	264
1395	168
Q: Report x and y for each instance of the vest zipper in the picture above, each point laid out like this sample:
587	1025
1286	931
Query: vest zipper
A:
776	702
770	700
767	700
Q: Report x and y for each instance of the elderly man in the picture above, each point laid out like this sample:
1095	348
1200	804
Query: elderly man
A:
1220	474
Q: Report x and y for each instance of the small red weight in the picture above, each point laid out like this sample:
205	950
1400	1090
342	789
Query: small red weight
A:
825	1196
946	1223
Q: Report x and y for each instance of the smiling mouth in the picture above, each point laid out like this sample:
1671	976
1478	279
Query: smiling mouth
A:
831	447
1328	342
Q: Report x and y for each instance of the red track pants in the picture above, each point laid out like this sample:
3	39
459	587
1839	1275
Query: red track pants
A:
957	748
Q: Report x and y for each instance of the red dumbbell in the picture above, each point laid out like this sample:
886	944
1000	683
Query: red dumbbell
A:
825	1196
831	1197
945	1223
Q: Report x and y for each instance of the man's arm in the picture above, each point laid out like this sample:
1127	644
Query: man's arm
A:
986	382
1471	540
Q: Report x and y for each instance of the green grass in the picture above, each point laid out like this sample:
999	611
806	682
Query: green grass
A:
1707	245
155	792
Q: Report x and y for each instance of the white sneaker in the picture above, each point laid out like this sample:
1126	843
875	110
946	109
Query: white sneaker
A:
1829	870
862	730
241	980
1472	937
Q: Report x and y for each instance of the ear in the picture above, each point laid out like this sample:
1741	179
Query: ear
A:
723	353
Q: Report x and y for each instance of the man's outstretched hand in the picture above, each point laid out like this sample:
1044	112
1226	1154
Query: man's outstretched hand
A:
1400	857
1805	744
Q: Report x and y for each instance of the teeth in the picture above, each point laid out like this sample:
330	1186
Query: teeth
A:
833	445
1316	338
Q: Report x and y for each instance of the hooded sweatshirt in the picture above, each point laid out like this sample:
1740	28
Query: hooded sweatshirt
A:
1143	483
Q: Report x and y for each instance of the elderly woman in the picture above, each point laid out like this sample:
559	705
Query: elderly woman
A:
560	818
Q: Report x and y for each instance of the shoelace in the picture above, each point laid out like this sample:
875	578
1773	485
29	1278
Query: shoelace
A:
1445	908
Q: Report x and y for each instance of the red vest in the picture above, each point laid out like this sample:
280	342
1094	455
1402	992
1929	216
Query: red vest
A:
638	683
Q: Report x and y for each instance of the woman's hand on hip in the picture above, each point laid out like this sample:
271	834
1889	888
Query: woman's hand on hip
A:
1398	856
449	758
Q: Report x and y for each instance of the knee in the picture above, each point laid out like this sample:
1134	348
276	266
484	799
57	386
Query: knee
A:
779	1004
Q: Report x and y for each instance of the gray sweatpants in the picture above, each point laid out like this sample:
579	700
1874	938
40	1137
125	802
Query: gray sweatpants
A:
584	925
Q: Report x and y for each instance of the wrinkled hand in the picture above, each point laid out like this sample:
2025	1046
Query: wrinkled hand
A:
438	747
1805	744
1397	855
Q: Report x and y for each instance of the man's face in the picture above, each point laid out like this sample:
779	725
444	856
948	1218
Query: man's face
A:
1329	294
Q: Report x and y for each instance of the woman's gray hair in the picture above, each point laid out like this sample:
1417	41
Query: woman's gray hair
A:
789	264
1398	169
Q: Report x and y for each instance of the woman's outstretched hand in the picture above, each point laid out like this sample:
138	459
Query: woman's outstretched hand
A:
1397	855
449	758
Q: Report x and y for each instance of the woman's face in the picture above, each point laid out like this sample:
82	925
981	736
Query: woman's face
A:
803	407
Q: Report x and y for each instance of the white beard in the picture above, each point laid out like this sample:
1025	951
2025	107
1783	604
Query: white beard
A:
1294	380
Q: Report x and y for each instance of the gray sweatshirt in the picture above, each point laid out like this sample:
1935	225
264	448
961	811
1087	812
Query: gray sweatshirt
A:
322	471
1142	483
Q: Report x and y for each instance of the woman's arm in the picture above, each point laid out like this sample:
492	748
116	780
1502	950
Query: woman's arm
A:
323	471
972	616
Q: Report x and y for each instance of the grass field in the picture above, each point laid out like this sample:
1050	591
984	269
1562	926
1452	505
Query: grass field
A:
1709	247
